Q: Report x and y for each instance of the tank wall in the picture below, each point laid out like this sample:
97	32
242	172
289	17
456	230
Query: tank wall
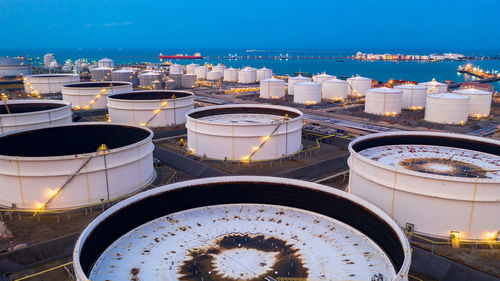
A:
332	91
14	70
479	105
307	94
360	86
231	75
48	85
82	97
381	103
446	111
292	82
413	97
263	74
272	89
12	122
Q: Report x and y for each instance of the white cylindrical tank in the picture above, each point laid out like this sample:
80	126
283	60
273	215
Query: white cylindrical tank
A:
383	101
106	63
434	87
10	67
447	108
92	95
480	101
27	114
413	176
231	75
244	132
264	73
101	74
272	88
357	86
48	83
148	79
47	59
294	80
243	226
190	68
213	75
176	68
247	76
150	108
414	96
188	80
177	78
307	93
319	78
41	176
334	89
126	75
201	72
220	68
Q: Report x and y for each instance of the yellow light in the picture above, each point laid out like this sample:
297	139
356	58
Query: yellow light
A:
455	235
245	158
254	148
492	235
266	138
38	205
165	103
156	111
142	124
51	192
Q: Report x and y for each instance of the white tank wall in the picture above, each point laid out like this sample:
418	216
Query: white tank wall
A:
14	70
247	76
480	101
334	89
190	68
434	87
129	168
105	62
418	196
294	80
213	75
148	79
321	77
35	119
446	108
237	141
125	75
101	74
201	72
48	83
272	88
358	85
82	97
231	75
414	96
264	73
188	80
307	93
382	101
220	68
159	112
176	68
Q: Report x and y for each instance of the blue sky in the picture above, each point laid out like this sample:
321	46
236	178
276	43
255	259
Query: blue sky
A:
359	24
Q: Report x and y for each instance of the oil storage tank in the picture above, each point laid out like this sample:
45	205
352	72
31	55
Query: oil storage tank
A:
150	79
272	88
26	114
101	74
126	75
73	165
176	68
414	176
321	77
213	75
106	63
154	108
294	80
264	73
92	95
358	85
244	132
480	101
190	68
231	75
307	93
201	72
383	101
247	75
447	108
48	83
414	96
220	68
434	87
11	67
242	228
189	80
334	89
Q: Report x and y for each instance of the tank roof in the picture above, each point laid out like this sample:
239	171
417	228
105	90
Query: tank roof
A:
472	91
448	96
384	90
410	86
25	106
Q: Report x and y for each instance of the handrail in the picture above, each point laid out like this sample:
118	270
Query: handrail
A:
44	271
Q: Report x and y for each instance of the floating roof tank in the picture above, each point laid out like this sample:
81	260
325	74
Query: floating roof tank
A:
228	228
383	101
334	89
35	165
11	67
480	101
413	96
358	85
28	114
447	108
272	88
92	95
48	83
294	80
413	176
307	93
244	132
150	108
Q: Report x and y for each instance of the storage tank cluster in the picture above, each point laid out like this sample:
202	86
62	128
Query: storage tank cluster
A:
272	88
447	108
242	228
383	101
154	108
434	87
479	103
92	95
294	80
334	89
47	83
247	75
307	93
358	85
33	176
11	67
414	96
27	114
413	176
244	132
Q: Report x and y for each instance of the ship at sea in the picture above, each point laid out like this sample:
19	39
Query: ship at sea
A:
196	56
